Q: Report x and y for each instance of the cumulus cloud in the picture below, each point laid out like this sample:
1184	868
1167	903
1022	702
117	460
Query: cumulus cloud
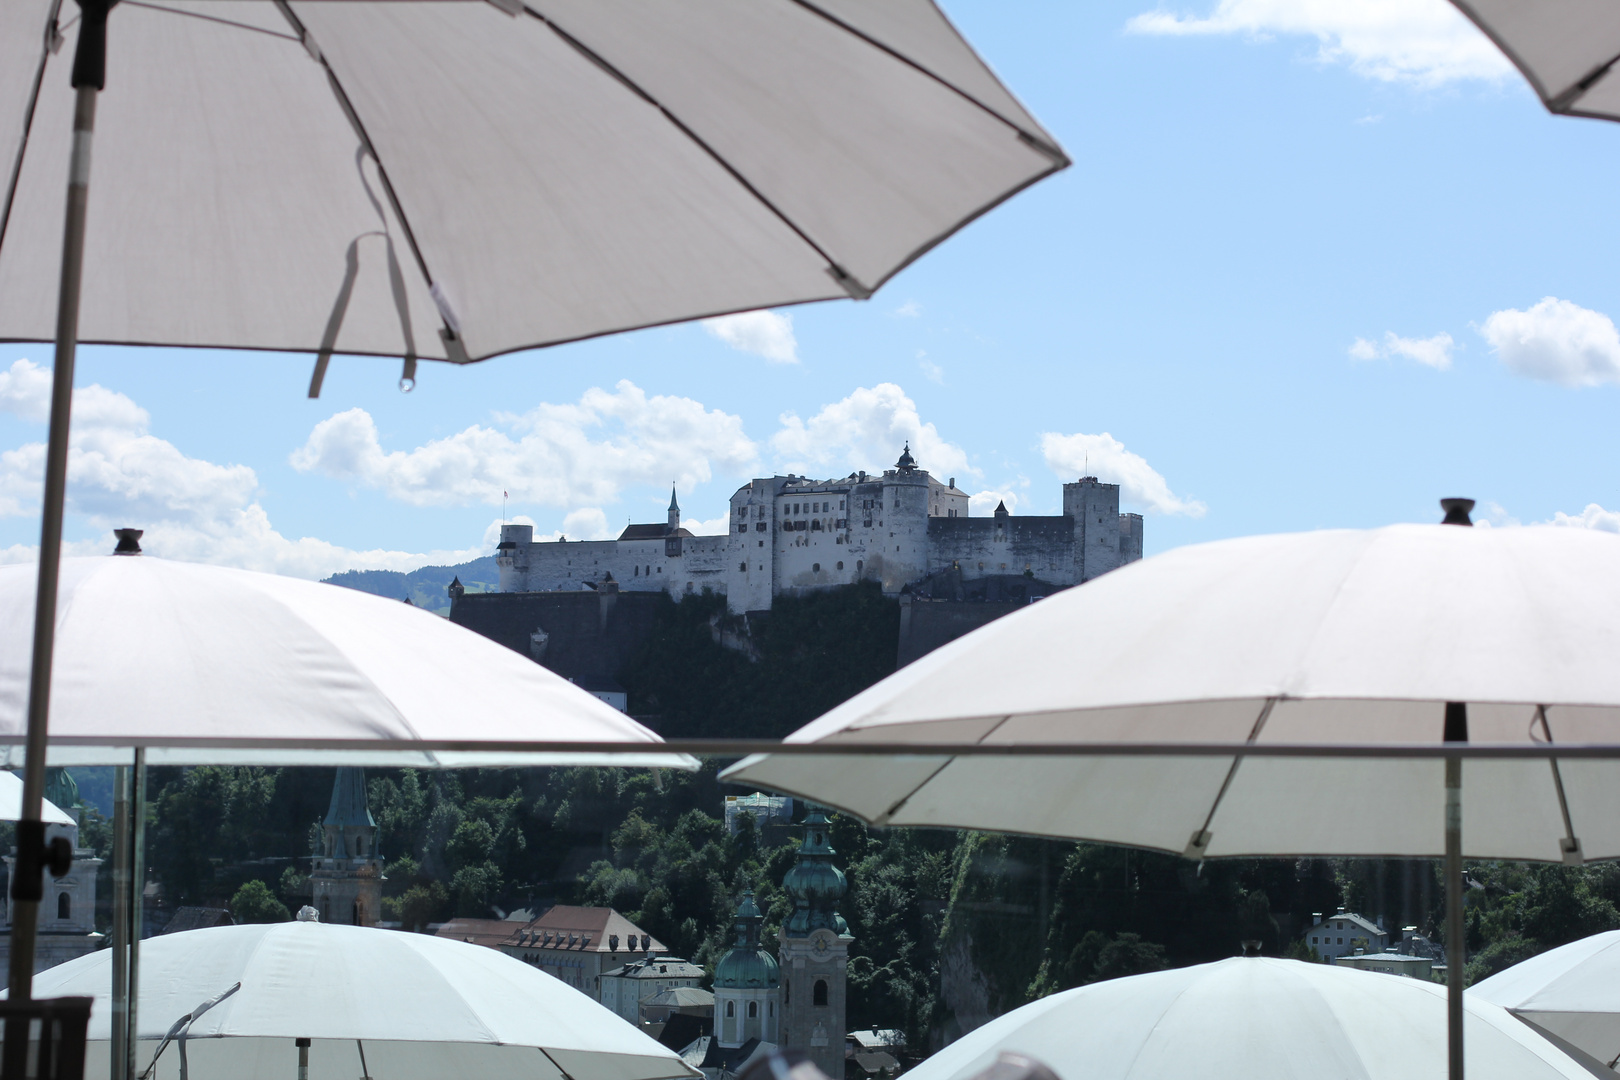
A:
763	333
583	454
983	503
719	526
1434	352
909	310
1425	42
120	474
1556	341
866	430
1593	517
1106	458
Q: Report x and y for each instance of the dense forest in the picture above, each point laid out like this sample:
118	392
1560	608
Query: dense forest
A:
949	927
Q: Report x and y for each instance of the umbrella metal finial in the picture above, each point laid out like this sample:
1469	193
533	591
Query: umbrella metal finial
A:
1457	511
128	541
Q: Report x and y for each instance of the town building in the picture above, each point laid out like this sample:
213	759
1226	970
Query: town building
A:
67	914
345	879
747	987
1343	933
626	988
814	954
1390	963
790	535
579	944
765	810
681	1001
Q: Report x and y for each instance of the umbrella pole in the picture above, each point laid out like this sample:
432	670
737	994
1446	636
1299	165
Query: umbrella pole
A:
1456	954
129	826
28	878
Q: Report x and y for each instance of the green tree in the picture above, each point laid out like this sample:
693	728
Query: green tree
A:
255	903
210	815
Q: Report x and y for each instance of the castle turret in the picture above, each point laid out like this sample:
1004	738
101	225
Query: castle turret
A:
346	879
815	951
674	510
746	984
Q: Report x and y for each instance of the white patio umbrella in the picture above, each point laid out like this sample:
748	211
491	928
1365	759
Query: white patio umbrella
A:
1253	1018
1567	51
1571	992
1308	694
460	179
207	664
371	1002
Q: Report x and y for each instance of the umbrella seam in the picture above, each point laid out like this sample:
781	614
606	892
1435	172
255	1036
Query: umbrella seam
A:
736	174
1046	147
52	31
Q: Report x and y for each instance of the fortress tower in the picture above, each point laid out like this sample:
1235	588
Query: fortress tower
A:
815	952
346	880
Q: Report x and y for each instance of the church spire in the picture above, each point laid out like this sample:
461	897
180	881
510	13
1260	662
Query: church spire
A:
674	511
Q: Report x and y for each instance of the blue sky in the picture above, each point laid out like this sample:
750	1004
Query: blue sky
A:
1315	265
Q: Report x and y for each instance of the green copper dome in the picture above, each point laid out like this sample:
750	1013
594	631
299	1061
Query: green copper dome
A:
815	884
746	966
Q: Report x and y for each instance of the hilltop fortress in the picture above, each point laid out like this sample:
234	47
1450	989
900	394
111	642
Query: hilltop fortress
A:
793	535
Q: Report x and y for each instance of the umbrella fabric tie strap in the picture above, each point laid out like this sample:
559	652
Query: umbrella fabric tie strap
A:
396	283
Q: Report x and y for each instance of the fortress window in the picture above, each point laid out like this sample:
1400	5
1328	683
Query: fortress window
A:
742	568
859	563
637	573
840	566
815	568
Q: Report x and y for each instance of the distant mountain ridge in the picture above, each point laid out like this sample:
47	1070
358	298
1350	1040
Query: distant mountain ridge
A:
426	586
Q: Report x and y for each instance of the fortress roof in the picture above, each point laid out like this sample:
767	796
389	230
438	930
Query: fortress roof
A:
651	532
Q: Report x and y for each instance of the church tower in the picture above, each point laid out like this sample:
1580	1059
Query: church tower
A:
815	951
346	881
746	988
674	511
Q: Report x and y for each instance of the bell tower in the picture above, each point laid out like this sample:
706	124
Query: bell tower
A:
815	951
346	880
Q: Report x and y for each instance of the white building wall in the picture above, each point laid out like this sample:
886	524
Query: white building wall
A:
1095	509
732	1024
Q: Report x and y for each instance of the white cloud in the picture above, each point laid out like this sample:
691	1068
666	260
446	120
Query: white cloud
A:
1426	42
1434	352
763	333
1556	341
554	455
866	430
1593	517
119	474
983	503
1106	458
719	526
933	371
909	310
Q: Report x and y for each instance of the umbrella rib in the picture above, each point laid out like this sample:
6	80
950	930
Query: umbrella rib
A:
209	18
855	288
1199	841
883	818
51	37
1035	141
1571	845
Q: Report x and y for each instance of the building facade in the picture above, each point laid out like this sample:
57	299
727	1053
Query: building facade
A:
581	945
345	880
626	988
789	535
1343	933
747	986
814	956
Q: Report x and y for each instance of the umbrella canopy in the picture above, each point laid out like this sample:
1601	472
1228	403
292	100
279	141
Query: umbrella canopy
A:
416	1006
208	664
1253	1019
1566	51
364	175
11	790
1572	991
1325	639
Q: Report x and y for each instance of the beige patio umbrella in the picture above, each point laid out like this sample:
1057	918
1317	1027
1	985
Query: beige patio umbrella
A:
460	179
1307	694
1567	51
